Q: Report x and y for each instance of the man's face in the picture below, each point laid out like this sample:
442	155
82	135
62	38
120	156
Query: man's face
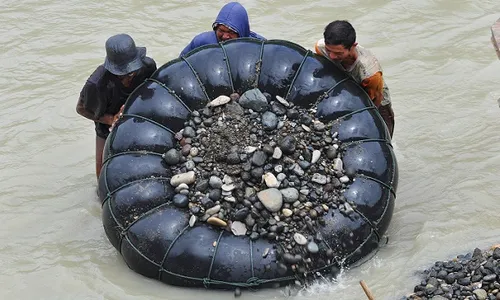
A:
337	52
223	33
127	78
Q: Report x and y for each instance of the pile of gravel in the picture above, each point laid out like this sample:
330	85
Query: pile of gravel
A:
264	168
472	276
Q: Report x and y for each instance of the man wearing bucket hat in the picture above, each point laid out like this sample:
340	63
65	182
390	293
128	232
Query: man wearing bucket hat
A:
106	90
231	22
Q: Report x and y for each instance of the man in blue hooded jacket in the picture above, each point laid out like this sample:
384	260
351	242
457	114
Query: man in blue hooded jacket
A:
232	22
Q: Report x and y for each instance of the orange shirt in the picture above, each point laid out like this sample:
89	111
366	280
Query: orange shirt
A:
366	70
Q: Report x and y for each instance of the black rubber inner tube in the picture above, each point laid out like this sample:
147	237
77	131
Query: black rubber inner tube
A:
153	235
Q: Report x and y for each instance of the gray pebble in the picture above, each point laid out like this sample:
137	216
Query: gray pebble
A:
202	185
331	152
312	247
233	158
287	144
215	182
254	99
189	132
215	194
259	158
319	178
198	159
269	121
241	214
180	200
190	165
172	157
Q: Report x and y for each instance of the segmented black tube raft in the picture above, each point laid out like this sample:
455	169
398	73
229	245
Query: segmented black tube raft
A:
160	237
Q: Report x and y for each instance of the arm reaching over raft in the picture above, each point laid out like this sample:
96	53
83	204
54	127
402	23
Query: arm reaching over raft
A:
374	87
89	95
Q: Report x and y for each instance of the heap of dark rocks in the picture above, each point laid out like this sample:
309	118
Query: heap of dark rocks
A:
474	276
263	168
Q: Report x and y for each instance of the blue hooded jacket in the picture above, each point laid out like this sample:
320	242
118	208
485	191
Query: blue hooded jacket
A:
234	16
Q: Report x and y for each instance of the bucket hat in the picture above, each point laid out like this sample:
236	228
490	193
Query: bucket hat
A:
122	56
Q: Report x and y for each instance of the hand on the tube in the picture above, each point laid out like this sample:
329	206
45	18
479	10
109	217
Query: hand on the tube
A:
116	118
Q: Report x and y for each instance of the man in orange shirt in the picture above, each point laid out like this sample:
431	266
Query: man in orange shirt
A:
339	46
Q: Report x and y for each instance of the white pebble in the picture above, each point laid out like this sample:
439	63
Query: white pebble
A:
266	252
306	128
230	199
348	208
281	177
344	179
249	191
318	125
300	239
181	187
282	101
271	180
228	187
277	153
271	199
319	178
194	151
213	210
338	165
250	149
227	179
304	192
192	220
187	178
221	100
287	212
238	228
315	156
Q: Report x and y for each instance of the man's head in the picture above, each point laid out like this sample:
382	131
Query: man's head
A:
225	33
123	57
340	40
231	22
